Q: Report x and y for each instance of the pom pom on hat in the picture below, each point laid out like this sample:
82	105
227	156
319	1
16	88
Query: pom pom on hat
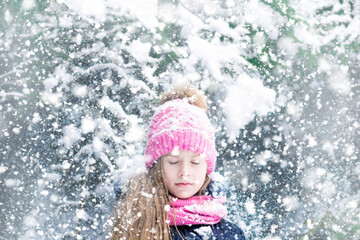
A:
181	123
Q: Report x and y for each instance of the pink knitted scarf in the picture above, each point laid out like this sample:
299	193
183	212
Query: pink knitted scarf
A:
197	210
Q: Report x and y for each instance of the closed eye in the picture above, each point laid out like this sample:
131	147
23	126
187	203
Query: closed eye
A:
195	162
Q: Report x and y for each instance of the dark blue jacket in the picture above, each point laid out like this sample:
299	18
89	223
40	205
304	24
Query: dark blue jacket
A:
223	230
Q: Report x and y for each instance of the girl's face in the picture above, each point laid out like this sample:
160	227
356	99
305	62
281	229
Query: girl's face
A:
184	172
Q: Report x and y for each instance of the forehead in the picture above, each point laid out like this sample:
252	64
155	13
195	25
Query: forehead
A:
182	153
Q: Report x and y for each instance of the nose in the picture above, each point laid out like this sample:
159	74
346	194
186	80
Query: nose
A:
184	171
183	174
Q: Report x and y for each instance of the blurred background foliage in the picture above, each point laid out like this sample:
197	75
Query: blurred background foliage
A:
79	81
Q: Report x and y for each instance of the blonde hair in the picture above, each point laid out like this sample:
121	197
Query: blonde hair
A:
140	213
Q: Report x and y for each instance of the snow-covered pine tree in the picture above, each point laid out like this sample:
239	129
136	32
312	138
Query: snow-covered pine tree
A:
78	82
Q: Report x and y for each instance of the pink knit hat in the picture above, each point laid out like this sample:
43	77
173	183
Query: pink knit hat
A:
179	125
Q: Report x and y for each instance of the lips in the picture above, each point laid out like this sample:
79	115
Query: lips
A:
183	184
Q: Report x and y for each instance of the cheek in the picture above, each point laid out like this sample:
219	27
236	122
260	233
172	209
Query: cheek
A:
167	173
201	173
204	169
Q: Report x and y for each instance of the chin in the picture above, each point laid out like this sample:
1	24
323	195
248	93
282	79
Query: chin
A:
184	196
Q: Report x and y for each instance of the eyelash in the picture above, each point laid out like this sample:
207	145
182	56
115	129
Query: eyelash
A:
195	163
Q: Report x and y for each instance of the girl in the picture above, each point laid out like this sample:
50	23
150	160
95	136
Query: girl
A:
177	197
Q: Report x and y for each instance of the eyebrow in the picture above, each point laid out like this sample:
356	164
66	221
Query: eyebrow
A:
195	157
176	156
